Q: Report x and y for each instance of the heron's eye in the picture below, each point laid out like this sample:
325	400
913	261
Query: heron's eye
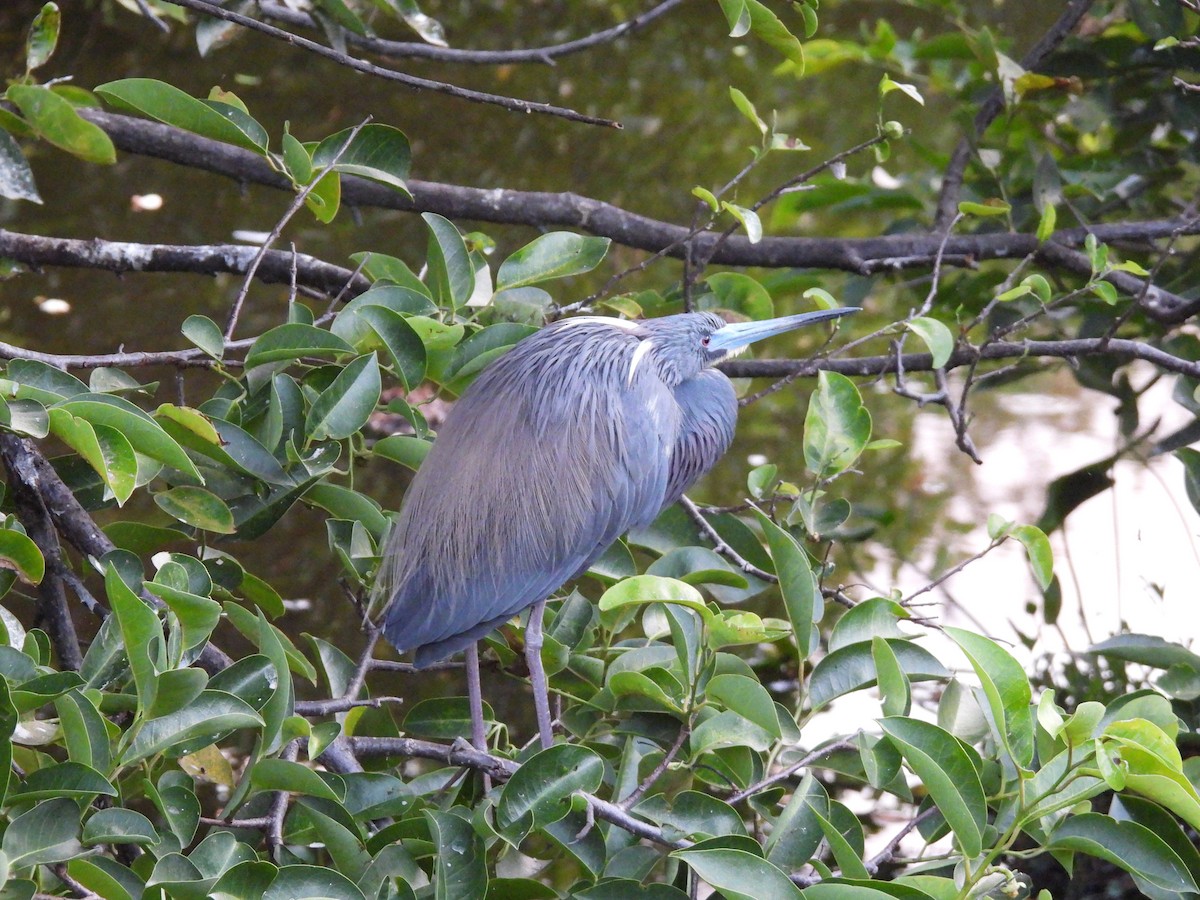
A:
705	341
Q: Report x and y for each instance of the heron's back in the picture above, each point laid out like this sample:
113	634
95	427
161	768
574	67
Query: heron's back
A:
547	458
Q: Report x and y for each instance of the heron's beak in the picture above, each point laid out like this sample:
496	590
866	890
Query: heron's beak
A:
739	335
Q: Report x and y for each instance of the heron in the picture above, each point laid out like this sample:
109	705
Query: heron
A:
586	429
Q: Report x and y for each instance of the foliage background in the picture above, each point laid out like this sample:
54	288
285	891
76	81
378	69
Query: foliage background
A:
1017	219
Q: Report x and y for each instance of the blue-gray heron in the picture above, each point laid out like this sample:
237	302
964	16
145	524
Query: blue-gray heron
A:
584	430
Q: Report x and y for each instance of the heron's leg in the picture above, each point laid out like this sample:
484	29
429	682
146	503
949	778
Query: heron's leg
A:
537	674
475	699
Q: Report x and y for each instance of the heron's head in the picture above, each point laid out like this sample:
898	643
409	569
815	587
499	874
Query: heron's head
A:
683	345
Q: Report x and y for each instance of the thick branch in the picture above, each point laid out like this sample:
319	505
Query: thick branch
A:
52	598
539	209
202	259
80	530
409	81
418	50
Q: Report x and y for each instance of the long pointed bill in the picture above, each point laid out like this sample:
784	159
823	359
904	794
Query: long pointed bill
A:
737	336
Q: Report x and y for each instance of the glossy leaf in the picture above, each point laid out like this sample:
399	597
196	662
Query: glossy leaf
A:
144	434
451	275
56	120
739	875
377	152
540	791
1131	846
16	178
344	407
837	426
212	714
946	770
937	337
295	341
801	594
1006	687
209	118
197	507
18	553
558	254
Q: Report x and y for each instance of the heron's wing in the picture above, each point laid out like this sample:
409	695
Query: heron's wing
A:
543	463
708	413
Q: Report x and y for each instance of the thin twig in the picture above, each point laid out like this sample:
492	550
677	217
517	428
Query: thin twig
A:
785	774
719	543
415	50
410	81
297	203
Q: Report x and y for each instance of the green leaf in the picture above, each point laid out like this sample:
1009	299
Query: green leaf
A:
643	589
205	334
767	27
208	717
399	339
295	341
344	407
708	197
893	683
1037	547
886	86
1006	687
738	16
986	209
852	668
210	118
1148	650
693	813
42	37
739	875
84	730
312	883
1131	846
104	448
282	775
443	718
146	435
1046	222
56	120
377	152
16	178
141	634
451	276
196	507
404	449
558	254
937	337
746	697
116	825
747	217
66	779
942	763
460	863
18	553
837	426
540	791
48	833
746	108
797	583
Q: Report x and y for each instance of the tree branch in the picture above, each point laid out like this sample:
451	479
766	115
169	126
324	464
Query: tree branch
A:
418	50
913	362
52	598
409	81
539	209
200	259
